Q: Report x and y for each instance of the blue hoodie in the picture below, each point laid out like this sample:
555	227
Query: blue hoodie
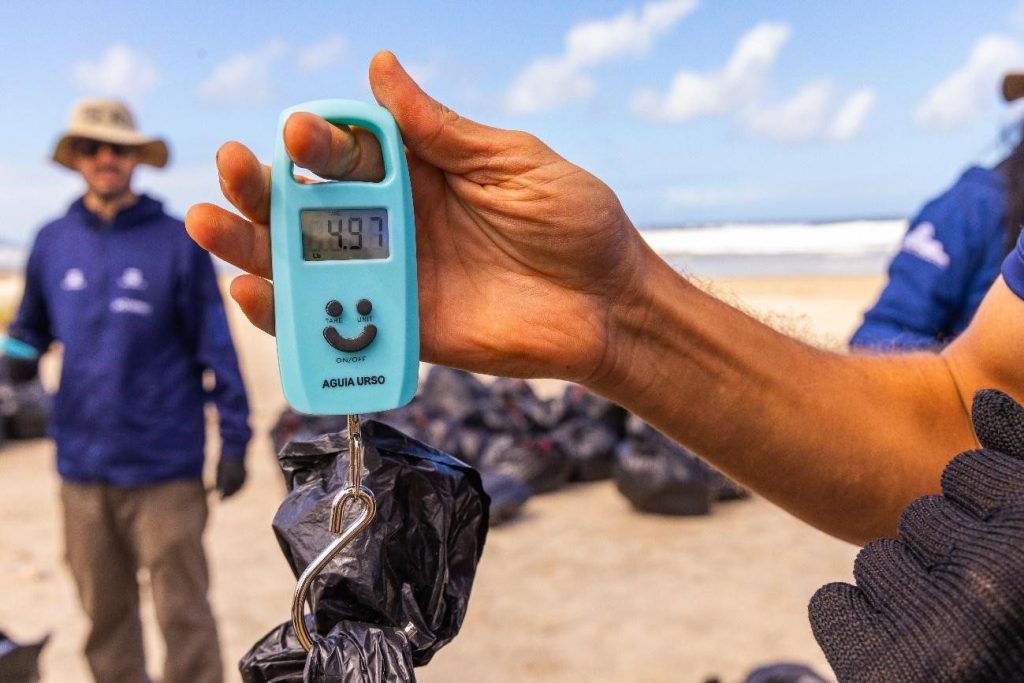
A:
135	304
949	258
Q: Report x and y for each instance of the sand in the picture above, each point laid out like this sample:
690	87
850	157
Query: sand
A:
580	588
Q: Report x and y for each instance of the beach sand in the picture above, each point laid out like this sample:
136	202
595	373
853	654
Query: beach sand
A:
580	588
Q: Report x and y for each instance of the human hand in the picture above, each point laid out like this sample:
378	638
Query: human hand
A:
946	601
230	476
524	260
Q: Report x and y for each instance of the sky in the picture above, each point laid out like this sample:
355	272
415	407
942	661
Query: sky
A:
693	111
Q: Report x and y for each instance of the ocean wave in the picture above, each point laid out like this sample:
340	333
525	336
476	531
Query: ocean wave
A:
844	238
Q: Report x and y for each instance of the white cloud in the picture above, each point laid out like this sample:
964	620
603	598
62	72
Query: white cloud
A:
693	94
809	115
426	72
737	91
120	71
849	120
243	78
959	97
550	82
627	34
798	119
547	84
327	52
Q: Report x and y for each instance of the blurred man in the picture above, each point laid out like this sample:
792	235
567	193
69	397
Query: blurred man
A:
135	305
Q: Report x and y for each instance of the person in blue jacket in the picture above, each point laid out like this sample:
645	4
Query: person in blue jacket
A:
949	258
135	305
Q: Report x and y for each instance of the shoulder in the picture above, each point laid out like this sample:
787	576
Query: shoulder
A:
58	228
166	228
977	186
971	210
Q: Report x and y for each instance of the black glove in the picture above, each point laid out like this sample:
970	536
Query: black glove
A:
946	601
21	369
230	476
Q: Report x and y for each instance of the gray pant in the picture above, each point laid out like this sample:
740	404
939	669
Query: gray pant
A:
111	532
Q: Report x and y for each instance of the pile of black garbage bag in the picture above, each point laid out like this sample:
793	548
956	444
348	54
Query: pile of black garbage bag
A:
399	591
24	407
523	445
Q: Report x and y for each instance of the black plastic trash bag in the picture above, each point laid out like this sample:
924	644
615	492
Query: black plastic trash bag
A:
416	561
295	426
19	663
536	462
515	409
31	416
590	446
507	496
578	401
467	438
414	420
449	393
656	474
784	672
25	405
352	652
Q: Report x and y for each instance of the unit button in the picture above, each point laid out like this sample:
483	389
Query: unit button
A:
334	308
364	307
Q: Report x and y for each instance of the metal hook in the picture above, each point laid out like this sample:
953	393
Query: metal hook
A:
354	491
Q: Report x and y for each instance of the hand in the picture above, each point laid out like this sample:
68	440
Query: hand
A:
524	259
946	601
230	476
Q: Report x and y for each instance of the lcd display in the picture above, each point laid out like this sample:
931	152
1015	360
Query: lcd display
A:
344	234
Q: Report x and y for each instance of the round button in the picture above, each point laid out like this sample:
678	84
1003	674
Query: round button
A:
334	308
364	307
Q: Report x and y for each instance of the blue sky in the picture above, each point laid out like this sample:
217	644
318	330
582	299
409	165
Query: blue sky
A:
692	110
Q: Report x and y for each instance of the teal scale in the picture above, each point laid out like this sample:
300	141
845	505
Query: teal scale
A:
344	269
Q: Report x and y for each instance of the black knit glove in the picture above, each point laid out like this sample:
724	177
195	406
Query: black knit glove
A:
21	370
946	601
230	476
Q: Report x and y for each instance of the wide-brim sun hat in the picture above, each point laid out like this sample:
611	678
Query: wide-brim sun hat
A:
107	120
1013	86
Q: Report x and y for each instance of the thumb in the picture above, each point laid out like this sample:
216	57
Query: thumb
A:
432	131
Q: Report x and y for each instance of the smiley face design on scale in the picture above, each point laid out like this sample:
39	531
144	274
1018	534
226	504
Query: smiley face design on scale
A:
349	344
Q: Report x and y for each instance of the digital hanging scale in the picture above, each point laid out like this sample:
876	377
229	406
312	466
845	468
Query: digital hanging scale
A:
346	307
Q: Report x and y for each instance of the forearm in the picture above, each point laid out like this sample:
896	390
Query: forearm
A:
843	442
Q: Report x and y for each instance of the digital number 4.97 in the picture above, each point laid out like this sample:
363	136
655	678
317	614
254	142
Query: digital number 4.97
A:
354	230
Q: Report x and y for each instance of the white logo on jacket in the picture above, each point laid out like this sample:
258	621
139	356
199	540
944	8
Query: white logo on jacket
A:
920	241
132	278
124	304
74	280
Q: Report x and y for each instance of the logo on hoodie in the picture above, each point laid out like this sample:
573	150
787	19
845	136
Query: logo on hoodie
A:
920	241
74	280
132	278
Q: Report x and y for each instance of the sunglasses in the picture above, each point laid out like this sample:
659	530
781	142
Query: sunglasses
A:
90	148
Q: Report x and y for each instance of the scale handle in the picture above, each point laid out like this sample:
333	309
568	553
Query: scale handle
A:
372	117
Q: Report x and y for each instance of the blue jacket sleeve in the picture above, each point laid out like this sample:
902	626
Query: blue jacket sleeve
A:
201	310
31	324
929	278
